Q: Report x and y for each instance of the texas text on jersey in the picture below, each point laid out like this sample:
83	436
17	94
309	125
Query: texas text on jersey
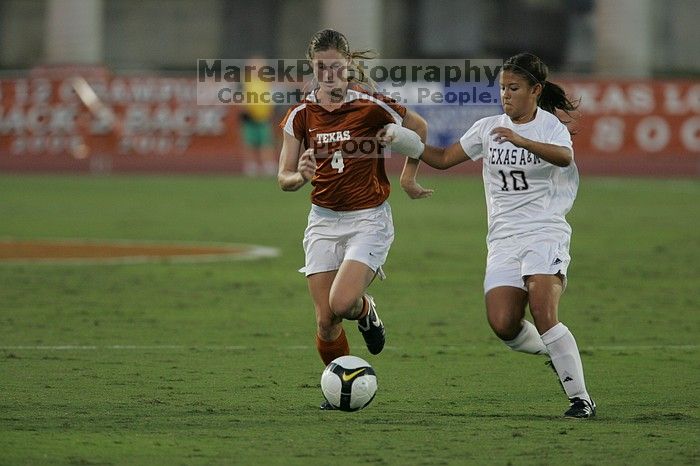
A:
524	194
350	173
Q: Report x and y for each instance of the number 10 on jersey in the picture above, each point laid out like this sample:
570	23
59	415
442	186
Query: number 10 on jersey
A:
516	179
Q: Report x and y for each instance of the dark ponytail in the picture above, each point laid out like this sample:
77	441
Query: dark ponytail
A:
554	98
533	69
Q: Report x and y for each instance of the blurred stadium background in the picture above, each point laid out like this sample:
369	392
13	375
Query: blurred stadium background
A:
635	63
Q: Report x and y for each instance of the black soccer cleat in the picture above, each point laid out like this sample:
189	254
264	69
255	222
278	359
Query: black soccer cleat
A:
326	406
372	328
580	409
554	369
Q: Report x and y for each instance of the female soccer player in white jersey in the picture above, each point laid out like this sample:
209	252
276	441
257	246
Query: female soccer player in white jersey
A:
530	181
350	226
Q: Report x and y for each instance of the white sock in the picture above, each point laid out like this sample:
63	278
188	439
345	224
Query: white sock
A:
566	360
528	340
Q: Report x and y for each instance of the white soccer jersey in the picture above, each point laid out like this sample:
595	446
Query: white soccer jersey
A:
524	194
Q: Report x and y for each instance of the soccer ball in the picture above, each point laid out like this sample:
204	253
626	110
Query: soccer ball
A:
349	383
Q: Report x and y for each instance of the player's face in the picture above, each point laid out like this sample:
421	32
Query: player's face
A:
331	71
518	96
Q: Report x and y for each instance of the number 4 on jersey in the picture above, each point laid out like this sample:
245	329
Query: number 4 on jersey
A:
337	161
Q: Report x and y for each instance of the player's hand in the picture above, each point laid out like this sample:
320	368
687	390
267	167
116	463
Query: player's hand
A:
416	191
307	165
384	138
501	135
402	140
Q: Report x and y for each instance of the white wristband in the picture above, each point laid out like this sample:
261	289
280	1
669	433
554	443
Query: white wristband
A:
405	141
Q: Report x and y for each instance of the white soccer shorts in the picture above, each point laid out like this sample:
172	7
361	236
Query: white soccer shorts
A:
511	259
361	235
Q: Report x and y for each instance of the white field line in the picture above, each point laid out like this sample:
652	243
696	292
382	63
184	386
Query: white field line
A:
167	348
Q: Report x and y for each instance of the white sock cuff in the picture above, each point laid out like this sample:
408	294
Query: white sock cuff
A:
554	333
528	340
522	336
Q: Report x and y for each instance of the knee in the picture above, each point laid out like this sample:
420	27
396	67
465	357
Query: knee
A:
327	327
343	306
504	326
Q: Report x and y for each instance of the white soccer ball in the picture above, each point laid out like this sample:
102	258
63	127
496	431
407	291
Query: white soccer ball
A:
349	383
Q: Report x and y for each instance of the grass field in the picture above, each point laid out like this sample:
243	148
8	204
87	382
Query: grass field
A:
214	363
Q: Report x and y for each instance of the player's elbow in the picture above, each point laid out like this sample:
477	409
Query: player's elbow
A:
440	164
447	164
284	183
565	159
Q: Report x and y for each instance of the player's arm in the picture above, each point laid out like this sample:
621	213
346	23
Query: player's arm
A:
416	123
408	143
444	158
556	155
294	171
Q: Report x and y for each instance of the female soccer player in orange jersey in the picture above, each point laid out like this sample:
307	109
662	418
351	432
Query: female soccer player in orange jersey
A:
329	140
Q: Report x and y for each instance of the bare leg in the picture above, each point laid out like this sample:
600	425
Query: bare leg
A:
347	290
327	324
505	309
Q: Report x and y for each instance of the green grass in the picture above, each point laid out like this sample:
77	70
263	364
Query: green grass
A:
215	363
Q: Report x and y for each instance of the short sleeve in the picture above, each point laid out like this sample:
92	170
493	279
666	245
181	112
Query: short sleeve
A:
472	141
393	105
293	123
395	112
560	136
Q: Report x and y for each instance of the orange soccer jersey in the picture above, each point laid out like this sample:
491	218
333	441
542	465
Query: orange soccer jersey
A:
350	172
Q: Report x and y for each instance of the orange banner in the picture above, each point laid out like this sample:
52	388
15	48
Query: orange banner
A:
636	118
623	127
84	118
